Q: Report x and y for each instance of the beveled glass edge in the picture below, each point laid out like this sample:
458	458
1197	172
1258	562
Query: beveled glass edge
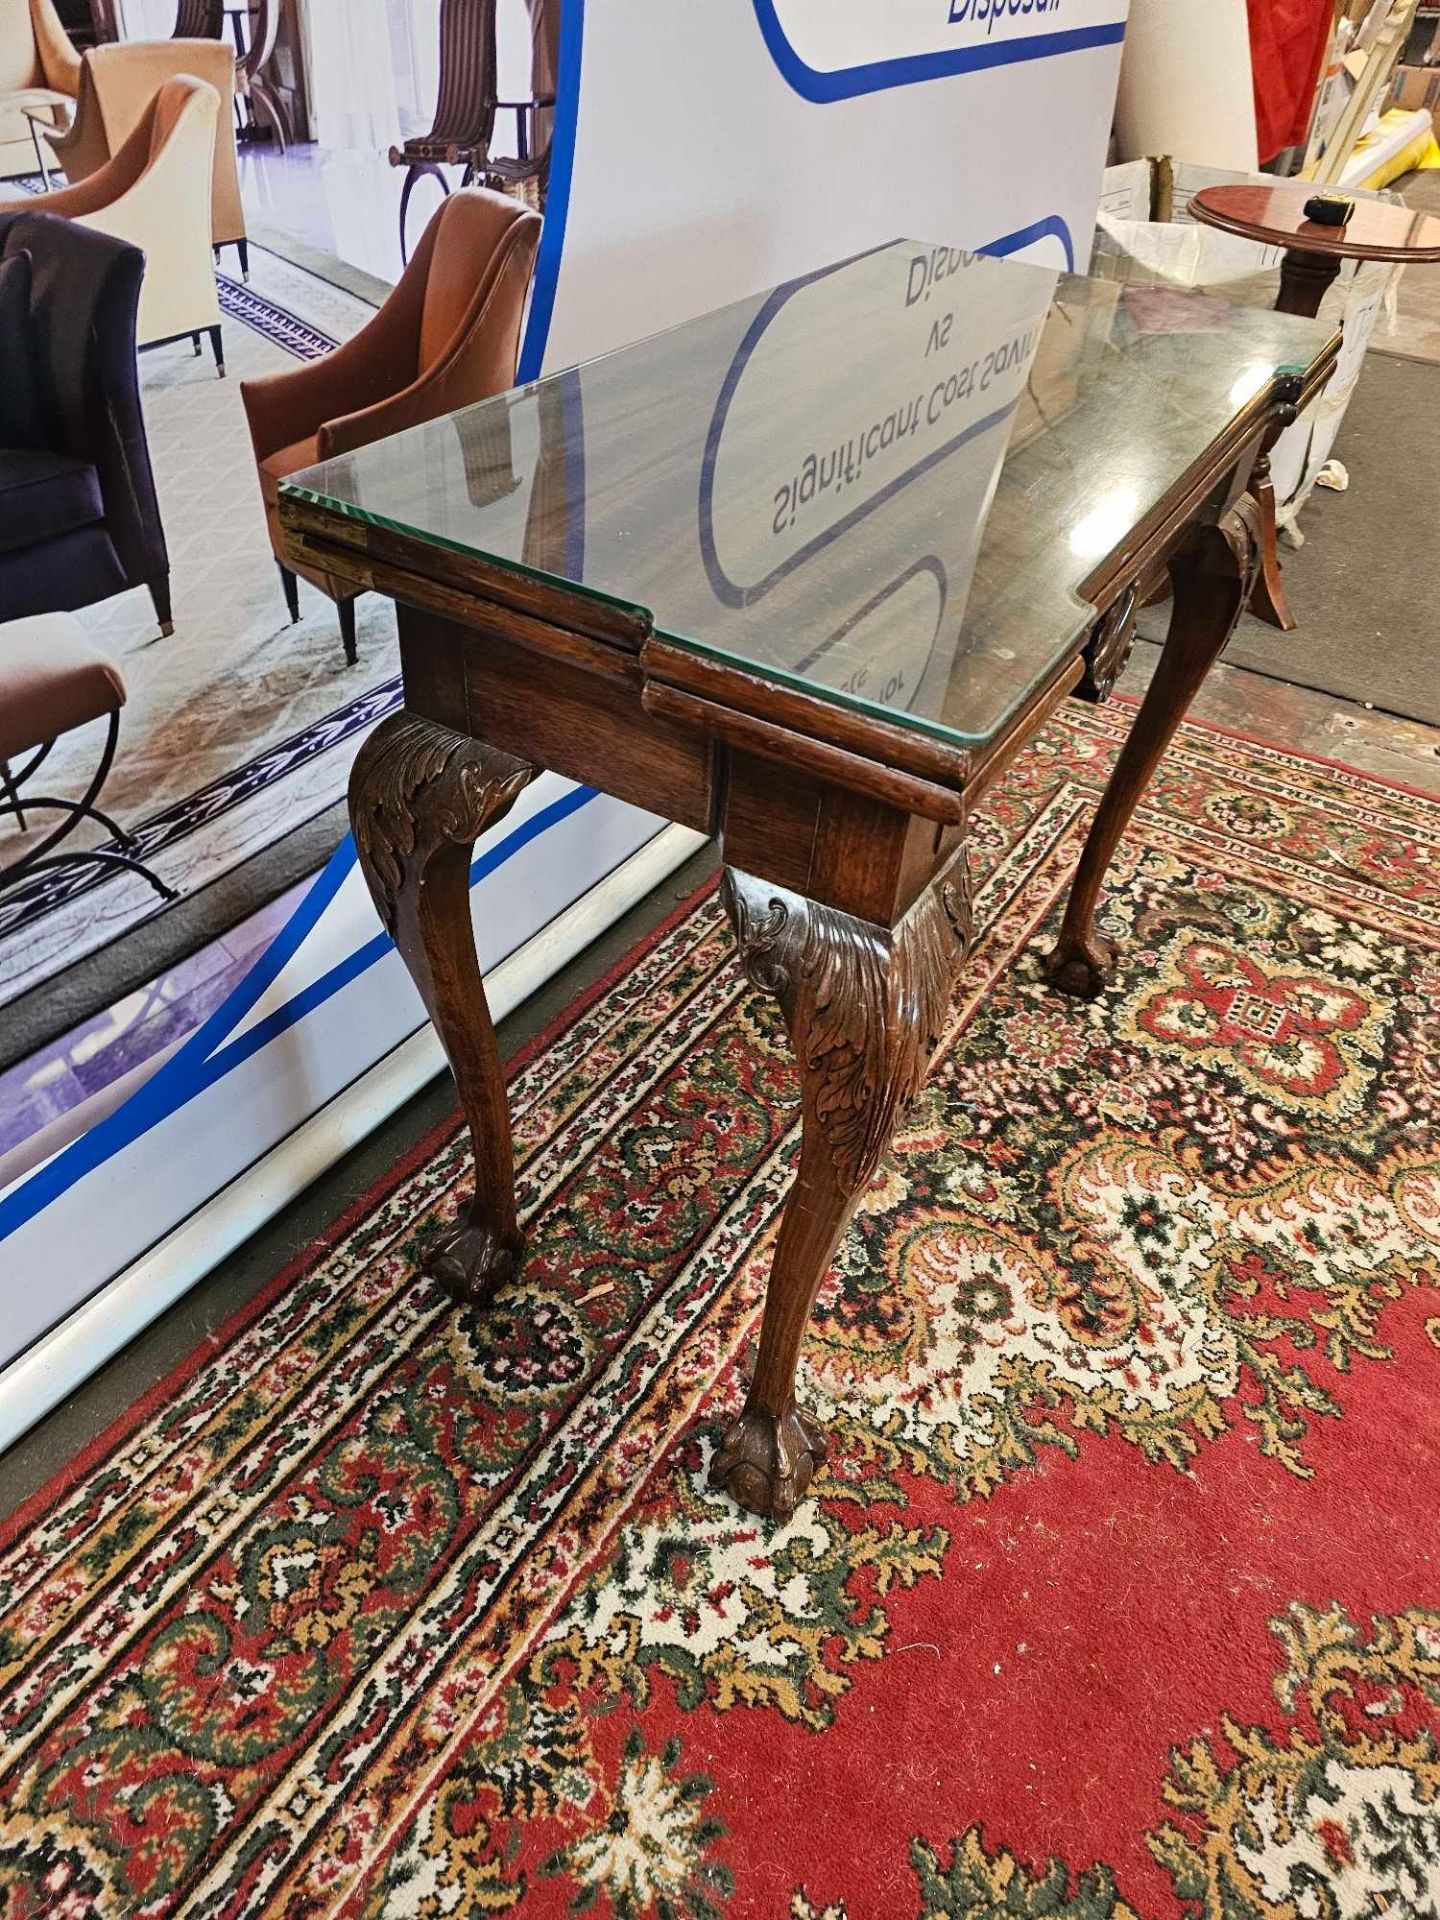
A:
816	690
836	696
901	716
347	510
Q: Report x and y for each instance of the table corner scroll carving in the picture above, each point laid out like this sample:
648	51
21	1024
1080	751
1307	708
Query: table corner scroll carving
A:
416	787
865	1006
1107	653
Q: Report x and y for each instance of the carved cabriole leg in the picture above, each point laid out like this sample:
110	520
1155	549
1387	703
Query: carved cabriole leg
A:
1212	576
865	1007
420	796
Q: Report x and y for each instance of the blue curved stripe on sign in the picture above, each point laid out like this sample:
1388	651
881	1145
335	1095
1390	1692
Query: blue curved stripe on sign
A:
1052	227
846	83
203	1059
557	199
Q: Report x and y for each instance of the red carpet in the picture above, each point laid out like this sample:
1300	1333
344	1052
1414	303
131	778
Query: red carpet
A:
1119	1595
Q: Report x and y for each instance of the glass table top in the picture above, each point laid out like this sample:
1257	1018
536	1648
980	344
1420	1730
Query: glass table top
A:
886	483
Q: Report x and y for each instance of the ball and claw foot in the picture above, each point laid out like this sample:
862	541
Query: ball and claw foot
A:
766	1461
470	1261
1081	968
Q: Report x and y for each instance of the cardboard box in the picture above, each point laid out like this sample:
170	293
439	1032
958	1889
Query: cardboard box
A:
1418	89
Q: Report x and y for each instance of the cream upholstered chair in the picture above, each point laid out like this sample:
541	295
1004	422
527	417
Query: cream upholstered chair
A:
117	84
155	194
36	59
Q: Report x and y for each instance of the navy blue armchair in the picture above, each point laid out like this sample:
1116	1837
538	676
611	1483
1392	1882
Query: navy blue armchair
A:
79	520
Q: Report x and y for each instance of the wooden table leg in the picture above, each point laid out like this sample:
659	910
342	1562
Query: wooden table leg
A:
1305	279
865	1007
1212	576
420	796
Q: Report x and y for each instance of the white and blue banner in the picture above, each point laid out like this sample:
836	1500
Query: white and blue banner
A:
702	154
719	150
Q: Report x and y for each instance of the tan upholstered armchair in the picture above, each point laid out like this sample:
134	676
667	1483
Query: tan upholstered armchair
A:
445	338
36	60
154	193
117	84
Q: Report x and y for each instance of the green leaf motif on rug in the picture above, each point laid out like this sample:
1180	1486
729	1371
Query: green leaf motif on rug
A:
1338	1815
733	1611
975	1884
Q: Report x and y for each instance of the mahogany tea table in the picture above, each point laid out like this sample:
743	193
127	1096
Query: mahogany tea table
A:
805	574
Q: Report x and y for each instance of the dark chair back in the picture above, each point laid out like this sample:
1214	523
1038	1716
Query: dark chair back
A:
199	20
465	110
79	20
84	292
107	23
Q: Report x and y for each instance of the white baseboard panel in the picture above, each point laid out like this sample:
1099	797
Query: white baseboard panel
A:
55	1365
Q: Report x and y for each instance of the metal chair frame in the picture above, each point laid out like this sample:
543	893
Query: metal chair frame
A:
39	857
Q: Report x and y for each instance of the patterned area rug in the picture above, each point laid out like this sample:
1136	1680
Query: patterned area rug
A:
1118	1595
239	727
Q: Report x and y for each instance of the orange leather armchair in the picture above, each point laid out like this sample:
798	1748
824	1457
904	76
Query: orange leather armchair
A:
447	337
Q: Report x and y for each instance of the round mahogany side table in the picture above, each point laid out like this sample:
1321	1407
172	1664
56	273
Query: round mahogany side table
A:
1275	216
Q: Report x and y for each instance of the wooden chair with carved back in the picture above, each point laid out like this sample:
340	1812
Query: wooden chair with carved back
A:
466	106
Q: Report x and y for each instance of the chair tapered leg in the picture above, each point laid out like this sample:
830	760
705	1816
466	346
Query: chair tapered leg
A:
292	591
195	342
217	347
412	174
347	629
242	247
160	598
